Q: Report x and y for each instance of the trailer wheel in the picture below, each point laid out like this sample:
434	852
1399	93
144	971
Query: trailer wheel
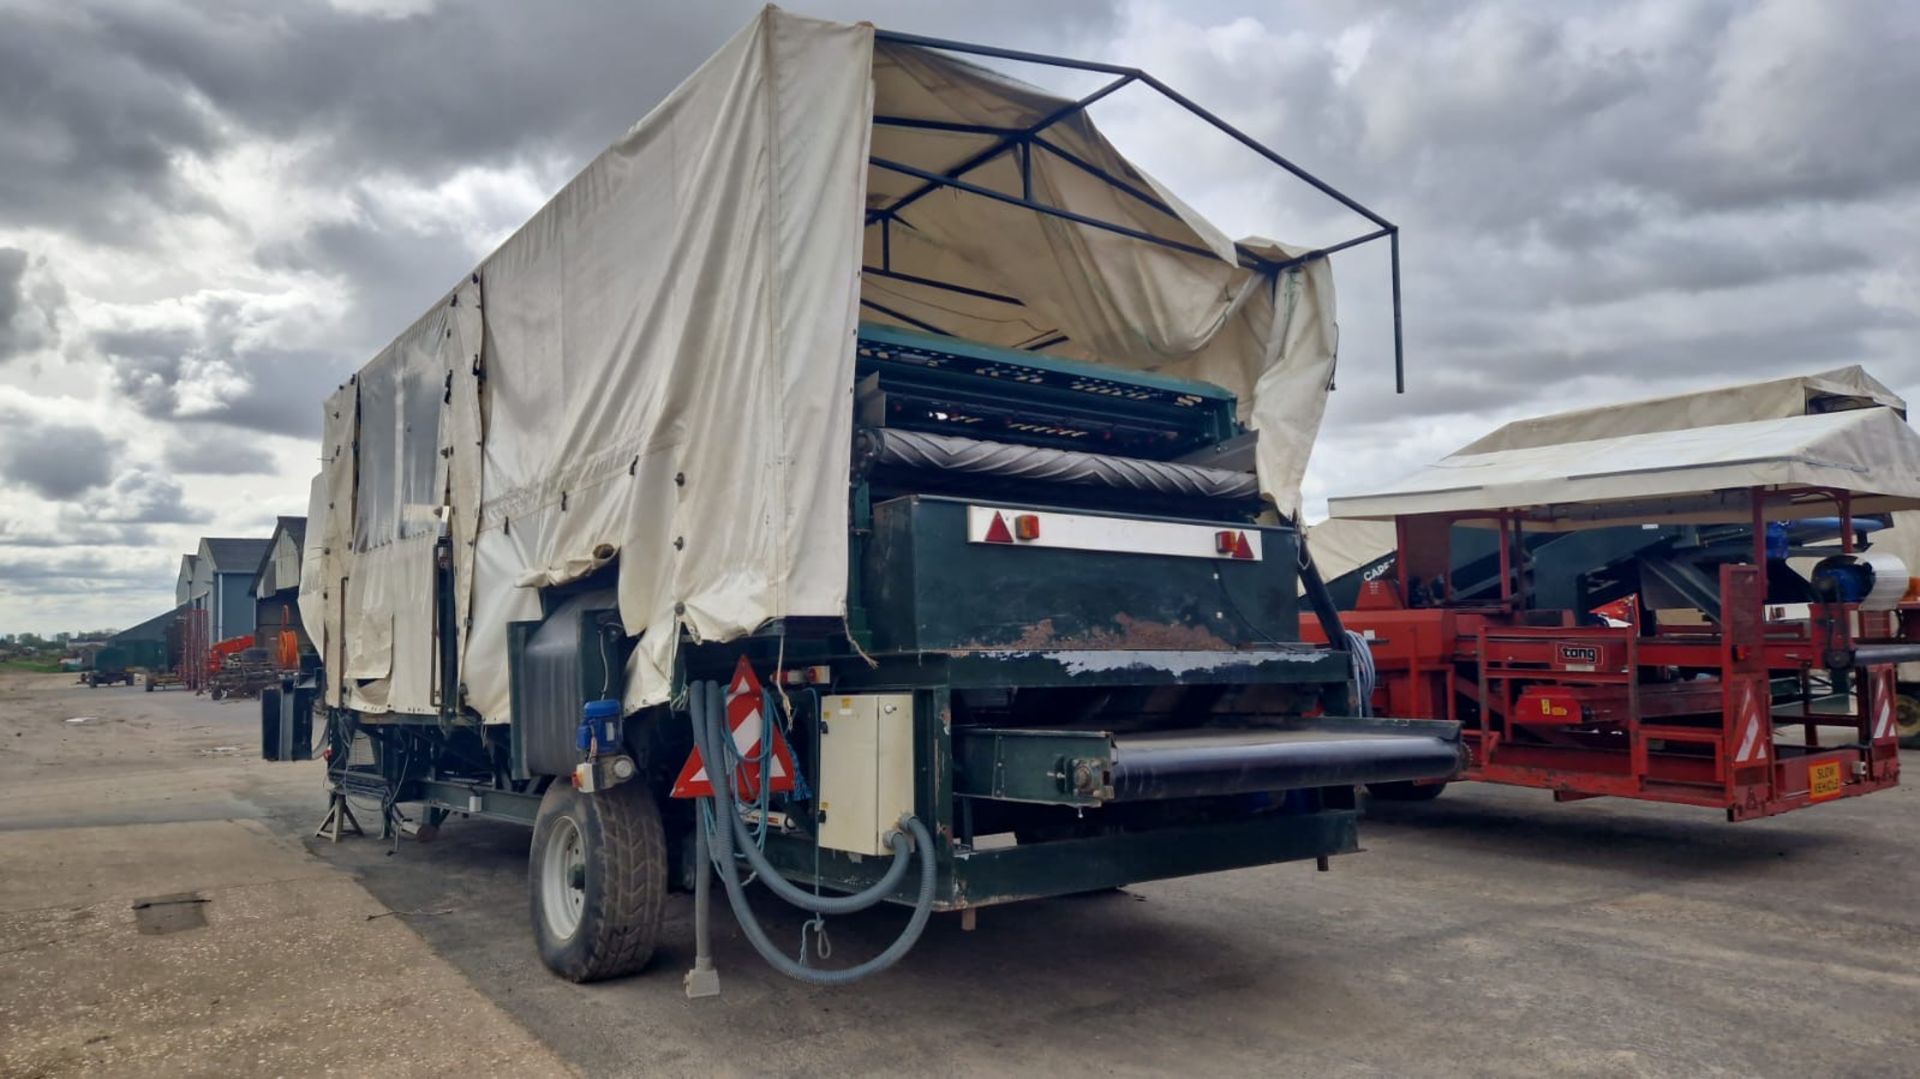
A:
597	880
1906	716
1405	790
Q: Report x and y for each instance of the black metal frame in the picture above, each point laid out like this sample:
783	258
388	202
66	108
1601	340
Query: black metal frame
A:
1022	141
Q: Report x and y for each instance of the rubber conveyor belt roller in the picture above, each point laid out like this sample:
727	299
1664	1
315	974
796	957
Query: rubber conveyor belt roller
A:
1094	767
1200	762
952	453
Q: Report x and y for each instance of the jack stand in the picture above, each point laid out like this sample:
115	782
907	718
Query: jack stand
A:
969	919
702	980
339	817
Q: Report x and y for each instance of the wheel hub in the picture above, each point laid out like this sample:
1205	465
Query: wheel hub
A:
563	879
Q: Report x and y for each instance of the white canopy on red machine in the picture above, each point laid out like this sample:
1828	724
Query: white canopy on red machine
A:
1689	474
1794	395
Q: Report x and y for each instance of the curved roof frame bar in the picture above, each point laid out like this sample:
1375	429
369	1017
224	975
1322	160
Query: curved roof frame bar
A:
1021	141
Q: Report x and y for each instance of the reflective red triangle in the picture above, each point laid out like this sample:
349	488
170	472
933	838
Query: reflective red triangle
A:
997	531
1241	548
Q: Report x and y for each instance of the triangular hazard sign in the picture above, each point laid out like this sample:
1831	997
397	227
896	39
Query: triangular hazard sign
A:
997	531
746	724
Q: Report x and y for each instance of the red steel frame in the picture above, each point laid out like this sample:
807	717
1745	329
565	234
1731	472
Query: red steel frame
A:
1584	711
195	643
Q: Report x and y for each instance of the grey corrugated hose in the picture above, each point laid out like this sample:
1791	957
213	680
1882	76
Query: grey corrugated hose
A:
706	701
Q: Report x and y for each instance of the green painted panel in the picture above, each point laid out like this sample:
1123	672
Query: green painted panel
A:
928	589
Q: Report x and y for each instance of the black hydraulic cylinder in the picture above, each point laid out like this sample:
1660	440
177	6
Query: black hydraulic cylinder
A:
1200	763
1321	600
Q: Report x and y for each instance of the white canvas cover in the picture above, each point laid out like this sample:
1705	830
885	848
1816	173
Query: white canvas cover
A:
1698	474
1796	395
1342	545
658	366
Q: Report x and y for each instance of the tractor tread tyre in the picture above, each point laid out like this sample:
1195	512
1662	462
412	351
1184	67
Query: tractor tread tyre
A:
626	880
1906	717
1405	790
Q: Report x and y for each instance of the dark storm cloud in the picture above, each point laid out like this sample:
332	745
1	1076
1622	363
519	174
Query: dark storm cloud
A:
279	390
100	98
58	461
27	312
1515	113
89	134
14	339
482	80
139	496
84	573
392	269
215	450
486	83
146	365
66	531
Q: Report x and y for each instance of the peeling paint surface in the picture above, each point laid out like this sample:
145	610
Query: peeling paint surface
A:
1100	661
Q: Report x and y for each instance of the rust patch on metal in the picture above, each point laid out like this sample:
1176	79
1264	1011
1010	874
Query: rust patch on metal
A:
1129	634
1037	637
1170	636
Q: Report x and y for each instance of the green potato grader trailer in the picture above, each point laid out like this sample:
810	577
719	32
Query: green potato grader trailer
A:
850	481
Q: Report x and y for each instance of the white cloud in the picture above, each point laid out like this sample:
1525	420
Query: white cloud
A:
384	9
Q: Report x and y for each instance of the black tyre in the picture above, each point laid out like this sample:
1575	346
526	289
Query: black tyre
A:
597	880
1405	790
1906	716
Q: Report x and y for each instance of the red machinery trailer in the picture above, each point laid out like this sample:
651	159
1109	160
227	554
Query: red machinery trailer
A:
1712	696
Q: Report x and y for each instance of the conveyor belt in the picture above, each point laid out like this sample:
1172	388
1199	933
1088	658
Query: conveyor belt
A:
1200	762
952	453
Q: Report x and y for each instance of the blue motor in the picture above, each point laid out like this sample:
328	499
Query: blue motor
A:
1776	541
599	727
1875	581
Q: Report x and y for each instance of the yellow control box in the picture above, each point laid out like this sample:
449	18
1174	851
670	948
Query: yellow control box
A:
866	769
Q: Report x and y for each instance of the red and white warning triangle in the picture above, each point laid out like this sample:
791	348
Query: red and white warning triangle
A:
747	725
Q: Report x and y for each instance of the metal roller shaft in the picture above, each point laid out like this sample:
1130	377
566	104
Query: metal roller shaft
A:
1872	655
1199	763
952	453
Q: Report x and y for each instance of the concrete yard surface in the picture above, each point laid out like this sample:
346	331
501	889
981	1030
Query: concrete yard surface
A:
1492	932
250	956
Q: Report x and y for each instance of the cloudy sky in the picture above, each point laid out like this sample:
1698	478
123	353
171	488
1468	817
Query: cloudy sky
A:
211	213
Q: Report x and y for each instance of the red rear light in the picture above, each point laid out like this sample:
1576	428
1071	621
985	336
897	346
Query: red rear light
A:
1232	543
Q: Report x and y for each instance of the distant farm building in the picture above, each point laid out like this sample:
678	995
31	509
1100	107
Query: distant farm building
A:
276	591
218	579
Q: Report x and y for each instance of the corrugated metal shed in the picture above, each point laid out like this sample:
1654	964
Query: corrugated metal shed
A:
153	629
230	555
223	574
279	567
183	588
